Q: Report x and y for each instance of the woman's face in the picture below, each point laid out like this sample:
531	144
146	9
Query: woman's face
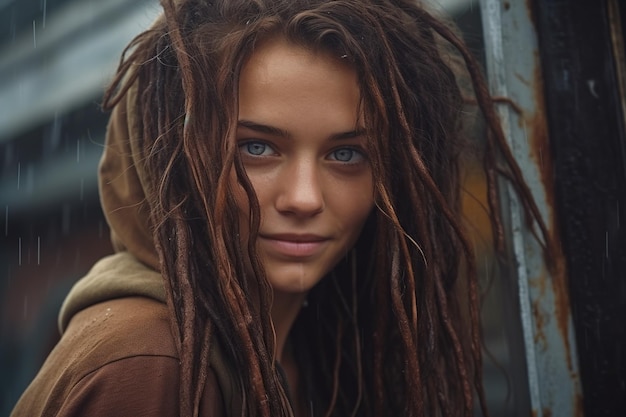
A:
303	149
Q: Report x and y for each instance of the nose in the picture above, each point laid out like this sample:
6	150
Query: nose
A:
301	191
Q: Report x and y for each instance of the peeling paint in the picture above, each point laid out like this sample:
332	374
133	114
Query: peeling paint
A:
539	141
554	383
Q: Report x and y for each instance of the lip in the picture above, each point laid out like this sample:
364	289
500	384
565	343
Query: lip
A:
294	245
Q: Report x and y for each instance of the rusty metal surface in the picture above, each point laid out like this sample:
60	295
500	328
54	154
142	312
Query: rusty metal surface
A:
541	336
584	82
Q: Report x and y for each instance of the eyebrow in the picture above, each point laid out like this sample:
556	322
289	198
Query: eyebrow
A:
275	131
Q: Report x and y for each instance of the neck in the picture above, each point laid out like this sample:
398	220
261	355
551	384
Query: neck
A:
285	309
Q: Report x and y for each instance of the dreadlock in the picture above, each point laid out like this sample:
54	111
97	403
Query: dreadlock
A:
392	330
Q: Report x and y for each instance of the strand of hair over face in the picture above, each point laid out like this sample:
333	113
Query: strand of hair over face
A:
425	178
249	342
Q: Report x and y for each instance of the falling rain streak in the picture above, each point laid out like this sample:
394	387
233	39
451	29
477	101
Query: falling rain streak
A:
19	251
77	150
6	222
38	250
19	168
34	35
45	7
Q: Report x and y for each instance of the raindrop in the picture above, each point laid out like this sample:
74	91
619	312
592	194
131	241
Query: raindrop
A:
6	222
38	250
77	150
13	26
19	251
34	35
54	137
45	7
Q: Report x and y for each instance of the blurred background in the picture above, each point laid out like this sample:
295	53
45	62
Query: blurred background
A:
56	57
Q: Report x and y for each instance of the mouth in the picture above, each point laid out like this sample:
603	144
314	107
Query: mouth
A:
293	245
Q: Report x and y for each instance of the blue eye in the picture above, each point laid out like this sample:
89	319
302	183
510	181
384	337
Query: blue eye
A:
347	155
256	148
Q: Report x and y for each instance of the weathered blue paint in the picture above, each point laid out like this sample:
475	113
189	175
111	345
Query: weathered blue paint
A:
551	385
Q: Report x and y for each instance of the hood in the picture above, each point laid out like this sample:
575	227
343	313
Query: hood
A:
116	276
122	183
133	270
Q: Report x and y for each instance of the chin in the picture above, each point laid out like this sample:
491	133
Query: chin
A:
294	279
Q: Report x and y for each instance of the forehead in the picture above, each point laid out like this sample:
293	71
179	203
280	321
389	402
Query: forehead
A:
276	59
282	78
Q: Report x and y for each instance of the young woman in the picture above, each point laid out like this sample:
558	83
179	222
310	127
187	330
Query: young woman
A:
281	178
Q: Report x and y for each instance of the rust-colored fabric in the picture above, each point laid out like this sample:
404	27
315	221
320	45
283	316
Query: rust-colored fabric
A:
117	355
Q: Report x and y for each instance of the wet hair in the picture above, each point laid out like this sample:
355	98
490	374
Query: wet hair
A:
394	327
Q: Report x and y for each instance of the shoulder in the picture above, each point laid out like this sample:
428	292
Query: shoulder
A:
116	358
120	328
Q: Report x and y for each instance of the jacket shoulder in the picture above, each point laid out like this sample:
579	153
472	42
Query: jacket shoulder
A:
116	358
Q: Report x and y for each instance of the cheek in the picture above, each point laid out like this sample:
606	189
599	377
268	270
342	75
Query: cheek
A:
359	218
356	208
261	186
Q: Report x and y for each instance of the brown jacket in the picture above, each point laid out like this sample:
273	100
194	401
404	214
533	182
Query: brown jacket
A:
117	356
